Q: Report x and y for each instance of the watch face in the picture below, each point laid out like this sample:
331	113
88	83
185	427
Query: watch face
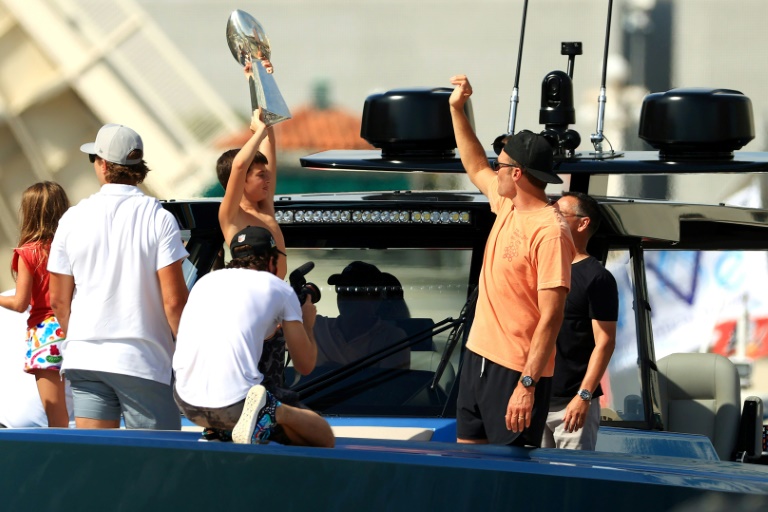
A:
585	395
527	381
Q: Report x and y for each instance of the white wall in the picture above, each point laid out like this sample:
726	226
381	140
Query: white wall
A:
366	46
363	46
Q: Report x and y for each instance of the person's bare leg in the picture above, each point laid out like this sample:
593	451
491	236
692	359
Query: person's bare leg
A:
50	386
304	427
94	423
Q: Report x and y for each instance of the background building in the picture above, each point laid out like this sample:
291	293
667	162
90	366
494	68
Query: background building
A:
365	46
68	67
164	68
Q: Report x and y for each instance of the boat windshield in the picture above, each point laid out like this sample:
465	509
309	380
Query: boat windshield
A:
384	324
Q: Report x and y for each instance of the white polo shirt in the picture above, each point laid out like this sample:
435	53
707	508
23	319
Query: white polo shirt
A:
228	315
113	243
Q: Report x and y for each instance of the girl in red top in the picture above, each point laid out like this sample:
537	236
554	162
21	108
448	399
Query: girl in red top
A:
42	205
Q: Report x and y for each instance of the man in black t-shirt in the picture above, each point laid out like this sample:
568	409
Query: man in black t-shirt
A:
586	339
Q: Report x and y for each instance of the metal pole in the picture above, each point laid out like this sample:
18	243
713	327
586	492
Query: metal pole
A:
597	138
515	99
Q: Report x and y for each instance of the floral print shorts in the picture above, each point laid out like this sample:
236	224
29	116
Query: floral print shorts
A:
44	346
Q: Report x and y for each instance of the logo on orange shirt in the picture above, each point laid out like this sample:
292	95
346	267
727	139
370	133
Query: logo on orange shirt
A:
513	250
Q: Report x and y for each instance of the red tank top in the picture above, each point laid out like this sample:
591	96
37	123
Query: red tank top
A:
35	257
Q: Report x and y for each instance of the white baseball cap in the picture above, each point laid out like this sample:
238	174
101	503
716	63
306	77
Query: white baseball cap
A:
114	143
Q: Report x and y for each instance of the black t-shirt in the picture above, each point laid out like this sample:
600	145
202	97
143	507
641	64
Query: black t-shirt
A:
593	296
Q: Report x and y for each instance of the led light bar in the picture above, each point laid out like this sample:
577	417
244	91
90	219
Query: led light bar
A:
358	216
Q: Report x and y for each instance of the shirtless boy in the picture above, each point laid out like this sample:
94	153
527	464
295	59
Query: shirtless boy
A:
249	177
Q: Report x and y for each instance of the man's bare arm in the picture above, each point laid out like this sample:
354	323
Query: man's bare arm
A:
61	288
174	292
605	343
472	155
551	307
300	339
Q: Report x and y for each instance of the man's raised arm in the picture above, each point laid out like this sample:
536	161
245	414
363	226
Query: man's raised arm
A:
470	150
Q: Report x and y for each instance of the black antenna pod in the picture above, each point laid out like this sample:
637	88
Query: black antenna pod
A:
515	99
597	138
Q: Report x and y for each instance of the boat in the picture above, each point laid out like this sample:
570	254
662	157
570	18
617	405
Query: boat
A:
661	445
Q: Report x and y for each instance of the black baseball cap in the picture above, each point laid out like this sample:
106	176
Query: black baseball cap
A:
252	241
359	273
532	151
360	277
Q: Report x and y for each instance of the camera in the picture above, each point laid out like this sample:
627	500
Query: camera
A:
300	285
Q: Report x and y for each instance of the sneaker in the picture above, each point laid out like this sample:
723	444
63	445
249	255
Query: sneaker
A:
258	417
216	435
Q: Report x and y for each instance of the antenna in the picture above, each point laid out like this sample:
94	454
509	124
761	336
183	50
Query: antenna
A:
597	138
515	99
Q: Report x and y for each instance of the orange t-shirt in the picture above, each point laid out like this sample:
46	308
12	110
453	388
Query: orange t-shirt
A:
527	251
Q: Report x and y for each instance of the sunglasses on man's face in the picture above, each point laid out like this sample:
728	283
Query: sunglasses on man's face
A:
91	158
496	166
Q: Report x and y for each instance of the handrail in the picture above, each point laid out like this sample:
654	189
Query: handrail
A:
332	377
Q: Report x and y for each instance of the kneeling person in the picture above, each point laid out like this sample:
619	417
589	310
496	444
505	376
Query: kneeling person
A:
221	338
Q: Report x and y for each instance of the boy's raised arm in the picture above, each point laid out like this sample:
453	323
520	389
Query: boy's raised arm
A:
268	148
230	204
263	141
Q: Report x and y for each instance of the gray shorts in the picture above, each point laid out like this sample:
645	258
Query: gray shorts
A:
143	403
225	418
222	418
555	435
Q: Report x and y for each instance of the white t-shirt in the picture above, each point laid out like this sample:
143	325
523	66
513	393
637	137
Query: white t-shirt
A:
228	314
113	244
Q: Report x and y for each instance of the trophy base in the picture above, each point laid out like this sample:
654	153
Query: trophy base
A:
265	94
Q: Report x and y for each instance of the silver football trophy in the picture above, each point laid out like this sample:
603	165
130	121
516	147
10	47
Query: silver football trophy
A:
248	43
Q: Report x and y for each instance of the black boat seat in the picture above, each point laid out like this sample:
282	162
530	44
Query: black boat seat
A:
413	326
424	356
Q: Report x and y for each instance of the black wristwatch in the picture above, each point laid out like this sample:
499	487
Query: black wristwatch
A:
585	395
527	381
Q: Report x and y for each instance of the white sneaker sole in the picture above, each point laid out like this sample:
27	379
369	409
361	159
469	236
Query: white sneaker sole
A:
254	403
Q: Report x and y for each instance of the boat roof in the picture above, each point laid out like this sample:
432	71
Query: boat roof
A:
583	163
663	224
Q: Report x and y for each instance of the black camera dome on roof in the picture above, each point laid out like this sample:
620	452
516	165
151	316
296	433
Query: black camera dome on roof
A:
697	122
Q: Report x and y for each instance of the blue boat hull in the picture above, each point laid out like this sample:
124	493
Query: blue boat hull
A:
144	470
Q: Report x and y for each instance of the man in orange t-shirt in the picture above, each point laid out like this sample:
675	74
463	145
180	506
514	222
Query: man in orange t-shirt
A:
507	372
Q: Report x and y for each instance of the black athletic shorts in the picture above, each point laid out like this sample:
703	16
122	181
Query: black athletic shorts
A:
483	400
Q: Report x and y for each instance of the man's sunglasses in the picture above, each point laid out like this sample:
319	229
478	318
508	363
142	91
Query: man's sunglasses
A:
91	158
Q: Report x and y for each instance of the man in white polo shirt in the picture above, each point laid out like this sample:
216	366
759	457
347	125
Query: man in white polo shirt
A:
118	290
